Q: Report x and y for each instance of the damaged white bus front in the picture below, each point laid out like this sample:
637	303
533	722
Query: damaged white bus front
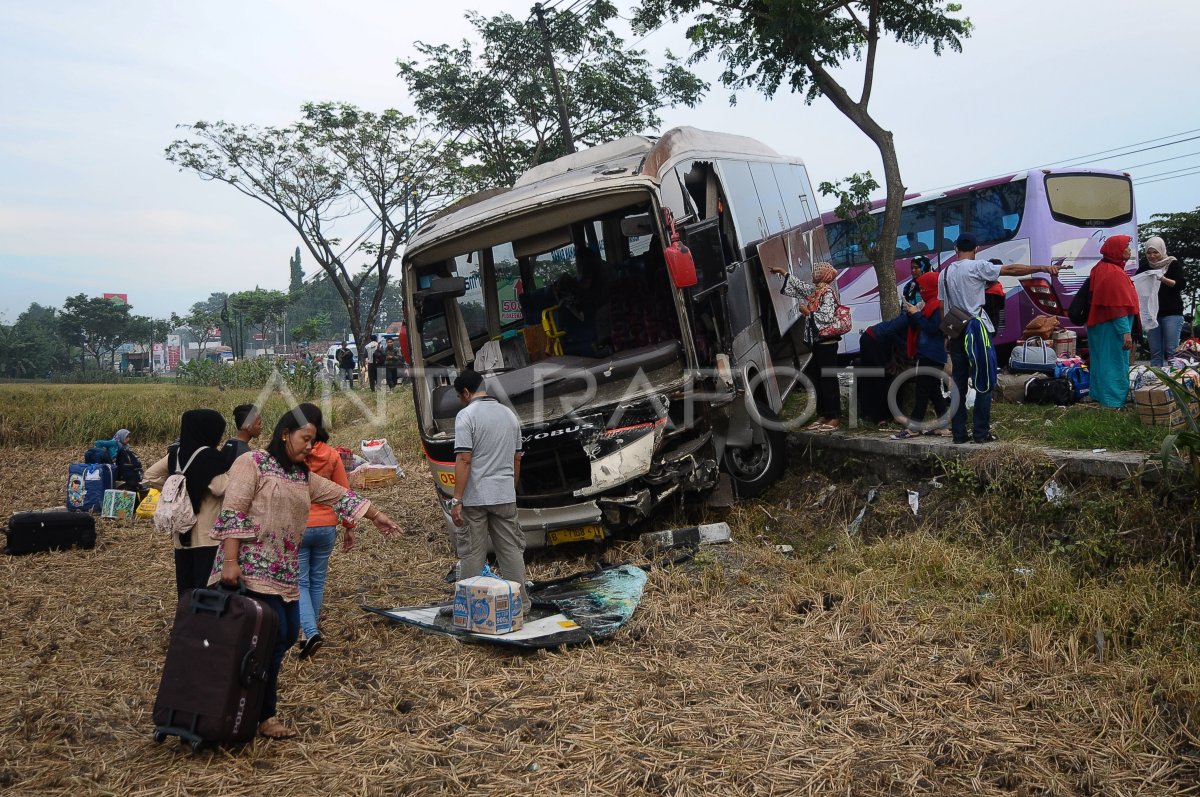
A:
642	368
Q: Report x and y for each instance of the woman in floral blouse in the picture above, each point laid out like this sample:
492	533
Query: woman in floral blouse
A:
819	303
260	527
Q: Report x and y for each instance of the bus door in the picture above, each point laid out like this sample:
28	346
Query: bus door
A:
951	222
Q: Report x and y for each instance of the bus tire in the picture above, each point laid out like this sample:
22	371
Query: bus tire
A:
758	466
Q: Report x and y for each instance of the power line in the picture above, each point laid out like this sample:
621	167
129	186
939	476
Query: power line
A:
1165	179
1173	171
1164	160
1133	152
1074	158
1114	149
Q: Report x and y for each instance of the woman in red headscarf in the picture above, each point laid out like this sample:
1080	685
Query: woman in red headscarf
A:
1110	323
927	344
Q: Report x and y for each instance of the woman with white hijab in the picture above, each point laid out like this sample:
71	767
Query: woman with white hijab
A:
1164	338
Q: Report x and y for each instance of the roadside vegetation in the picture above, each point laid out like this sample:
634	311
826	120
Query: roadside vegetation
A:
990	642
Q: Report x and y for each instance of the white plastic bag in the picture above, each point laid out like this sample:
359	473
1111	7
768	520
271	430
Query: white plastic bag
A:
378	452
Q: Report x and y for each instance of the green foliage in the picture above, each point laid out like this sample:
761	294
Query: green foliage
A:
1187	397
338	168
1181	232
295	273
854	205
96	325
497	89
805	44
302	378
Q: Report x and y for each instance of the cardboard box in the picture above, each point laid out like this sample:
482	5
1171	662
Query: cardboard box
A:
1156	406
118	504
488	605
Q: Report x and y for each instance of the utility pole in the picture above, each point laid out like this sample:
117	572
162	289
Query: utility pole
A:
563	119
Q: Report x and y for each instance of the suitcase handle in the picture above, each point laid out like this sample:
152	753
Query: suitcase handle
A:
247	669
214	601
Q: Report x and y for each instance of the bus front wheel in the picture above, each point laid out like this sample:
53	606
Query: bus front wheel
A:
754	468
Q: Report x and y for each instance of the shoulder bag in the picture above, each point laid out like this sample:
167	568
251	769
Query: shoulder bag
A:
954	320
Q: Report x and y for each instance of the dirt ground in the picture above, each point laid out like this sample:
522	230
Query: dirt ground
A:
742	672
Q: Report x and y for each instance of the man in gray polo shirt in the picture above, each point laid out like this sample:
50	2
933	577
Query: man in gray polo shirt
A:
487	468
964	283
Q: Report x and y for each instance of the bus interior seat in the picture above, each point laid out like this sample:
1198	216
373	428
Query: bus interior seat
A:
446	405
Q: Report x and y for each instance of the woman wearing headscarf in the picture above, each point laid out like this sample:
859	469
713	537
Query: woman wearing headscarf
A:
128	466
198	452
927	345
1164	338
819	302
912	293
261	526
1110	323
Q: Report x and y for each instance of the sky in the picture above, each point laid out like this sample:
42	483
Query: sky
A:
91	92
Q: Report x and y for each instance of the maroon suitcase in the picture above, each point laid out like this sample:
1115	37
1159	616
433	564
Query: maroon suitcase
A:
214	678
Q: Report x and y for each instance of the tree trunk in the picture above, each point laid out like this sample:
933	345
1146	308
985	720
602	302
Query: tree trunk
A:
885	246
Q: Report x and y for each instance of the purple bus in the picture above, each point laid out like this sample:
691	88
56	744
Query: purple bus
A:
1040	217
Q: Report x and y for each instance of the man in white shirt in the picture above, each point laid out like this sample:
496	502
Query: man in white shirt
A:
963	286
487	469
369	361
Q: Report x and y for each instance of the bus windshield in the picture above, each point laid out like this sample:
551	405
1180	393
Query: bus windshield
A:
1090	200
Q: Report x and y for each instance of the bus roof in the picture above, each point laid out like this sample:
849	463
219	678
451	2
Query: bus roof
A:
592	180
929	196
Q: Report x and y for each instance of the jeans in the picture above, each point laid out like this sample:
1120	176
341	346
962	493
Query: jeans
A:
289	628
314	565
499	522
982	415
1164	338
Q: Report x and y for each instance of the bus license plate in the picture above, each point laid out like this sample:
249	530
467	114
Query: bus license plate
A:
581	534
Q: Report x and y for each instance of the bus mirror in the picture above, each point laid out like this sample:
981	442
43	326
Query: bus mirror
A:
680	264
444	288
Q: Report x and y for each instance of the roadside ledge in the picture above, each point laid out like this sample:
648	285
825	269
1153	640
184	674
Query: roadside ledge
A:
1114	465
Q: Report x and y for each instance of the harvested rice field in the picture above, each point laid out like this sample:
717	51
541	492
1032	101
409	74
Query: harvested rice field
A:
900	664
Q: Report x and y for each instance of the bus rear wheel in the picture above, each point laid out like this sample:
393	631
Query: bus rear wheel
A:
754	468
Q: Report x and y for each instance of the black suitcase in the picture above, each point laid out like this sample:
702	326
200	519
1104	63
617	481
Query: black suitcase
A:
29	532
215	676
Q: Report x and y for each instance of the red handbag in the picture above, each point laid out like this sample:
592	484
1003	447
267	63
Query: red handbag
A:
842	323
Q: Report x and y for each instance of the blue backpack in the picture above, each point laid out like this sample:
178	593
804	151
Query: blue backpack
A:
1077	375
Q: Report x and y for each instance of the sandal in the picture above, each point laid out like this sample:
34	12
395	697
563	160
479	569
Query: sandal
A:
905	434
272	728
815	426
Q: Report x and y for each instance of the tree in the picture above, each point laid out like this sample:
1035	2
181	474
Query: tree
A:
97	326
337	166
1181	232
16	353
295	272
854	205
261	308
311	328
763	43
501	97
49	350
147	331
201	321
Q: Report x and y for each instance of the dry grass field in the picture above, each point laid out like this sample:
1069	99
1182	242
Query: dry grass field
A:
900	663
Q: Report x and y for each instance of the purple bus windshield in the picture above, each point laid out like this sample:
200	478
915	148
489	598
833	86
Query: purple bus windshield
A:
1041	217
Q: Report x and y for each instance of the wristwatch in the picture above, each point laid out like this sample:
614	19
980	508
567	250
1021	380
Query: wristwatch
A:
453	502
